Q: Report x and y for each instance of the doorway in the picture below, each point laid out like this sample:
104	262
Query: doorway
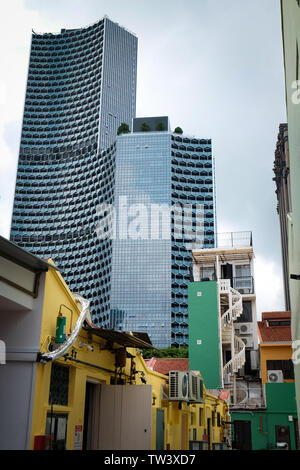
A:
242	435
184	432
117	417
209	433
90	395
226	272
160	429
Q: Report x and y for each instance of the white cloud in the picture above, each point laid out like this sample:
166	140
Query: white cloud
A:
268	285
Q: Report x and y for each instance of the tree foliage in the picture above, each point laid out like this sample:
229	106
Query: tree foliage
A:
160	126
123	129
145	127
178	130
167	352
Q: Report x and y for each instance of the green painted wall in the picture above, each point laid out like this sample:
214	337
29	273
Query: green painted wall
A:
281	403
281	397
204	344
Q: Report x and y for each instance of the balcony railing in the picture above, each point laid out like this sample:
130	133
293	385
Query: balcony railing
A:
249	399
234	240
244	284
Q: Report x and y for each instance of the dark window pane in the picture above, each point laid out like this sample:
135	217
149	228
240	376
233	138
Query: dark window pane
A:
246	316
59	385
286	367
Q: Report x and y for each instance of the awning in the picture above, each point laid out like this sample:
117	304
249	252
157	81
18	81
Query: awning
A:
120	337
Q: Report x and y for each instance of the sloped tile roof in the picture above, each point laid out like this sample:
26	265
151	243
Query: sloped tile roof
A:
271	334
164	365
285	315
221	394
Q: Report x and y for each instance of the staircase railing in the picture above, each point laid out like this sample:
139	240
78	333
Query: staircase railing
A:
235	305
234	301
238	359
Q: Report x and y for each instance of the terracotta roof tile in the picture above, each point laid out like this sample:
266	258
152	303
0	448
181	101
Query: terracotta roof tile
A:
164	365
221	394
269	334
276	315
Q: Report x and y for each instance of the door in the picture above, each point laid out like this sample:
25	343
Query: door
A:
242	435
91	415
120	417
160	429
226	272
283	435
184	432
209	433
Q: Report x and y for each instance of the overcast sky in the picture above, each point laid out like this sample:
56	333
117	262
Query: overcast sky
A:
214	67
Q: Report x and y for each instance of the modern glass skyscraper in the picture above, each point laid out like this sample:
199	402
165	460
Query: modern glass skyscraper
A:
81	87
157	170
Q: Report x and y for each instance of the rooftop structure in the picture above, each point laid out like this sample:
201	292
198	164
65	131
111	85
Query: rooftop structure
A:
222	312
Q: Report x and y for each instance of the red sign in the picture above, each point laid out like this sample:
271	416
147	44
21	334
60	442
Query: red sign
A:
78	437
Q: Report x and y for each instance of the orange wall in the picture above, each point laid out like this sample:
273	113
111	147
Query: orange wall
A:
274	352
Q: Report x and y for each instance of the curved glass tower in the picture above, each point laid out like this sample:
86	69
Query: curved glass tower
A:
193	189
81	86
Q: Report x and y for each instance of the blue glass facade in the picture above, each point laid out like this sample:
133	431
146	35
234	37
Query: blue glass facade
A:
151	264
141	268
81	86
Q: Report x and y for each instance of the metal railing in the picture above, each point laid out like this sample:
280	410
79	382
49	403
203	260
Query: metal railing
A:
234	240
249	399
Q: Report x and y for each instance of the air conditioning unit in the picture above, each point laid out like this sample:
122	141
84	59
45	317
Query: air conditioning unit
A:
193	385
200	394
178	386
246	290
248	340
196	391
244	328
275	376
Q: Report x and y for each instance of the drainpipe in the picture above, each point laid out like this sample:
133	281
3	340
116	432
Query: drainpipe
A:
261	429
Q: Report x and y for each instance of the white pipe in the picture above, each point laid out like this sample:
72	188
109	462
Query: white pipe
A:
64	348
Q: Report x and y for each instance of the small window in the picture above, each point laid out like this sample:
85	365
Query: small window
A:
286	367
56	426
201	415
208	273
59	385
246	316
242	270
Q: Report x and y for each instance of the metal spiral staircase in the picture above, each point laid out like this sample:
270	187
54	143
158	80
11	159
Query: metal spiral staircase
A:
231	307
